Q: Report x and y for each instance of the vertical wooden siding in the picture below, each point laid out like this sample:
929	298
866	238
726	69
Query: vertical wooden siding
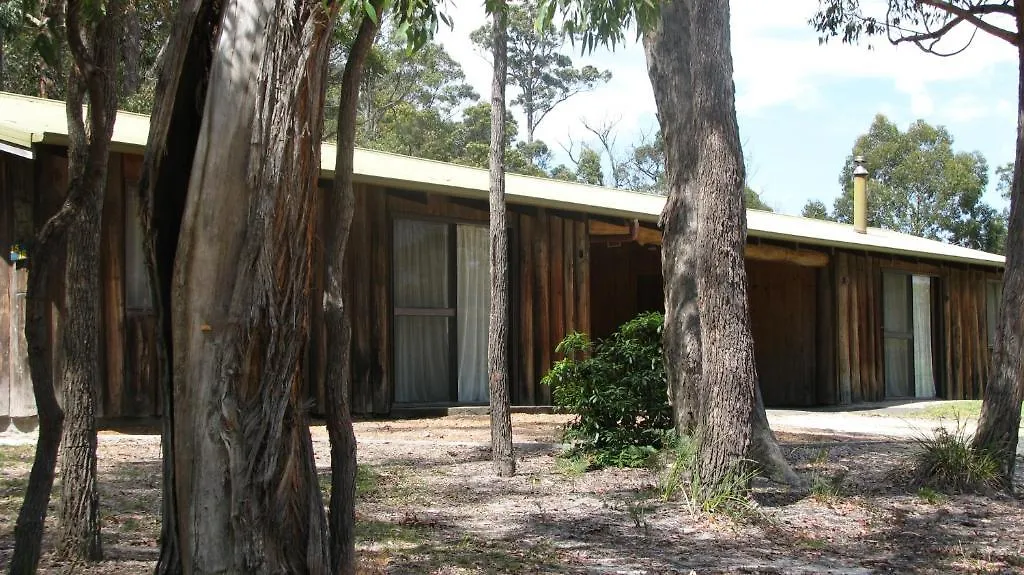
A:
959	324
783	318
548	250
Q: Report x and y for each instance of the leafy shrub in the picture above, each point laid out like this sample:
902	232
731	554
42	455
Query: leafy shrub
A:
616	388
946	461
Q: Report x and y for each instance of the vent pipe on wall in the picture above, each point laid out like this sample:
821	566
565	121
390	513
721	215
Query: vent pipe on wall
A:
860	196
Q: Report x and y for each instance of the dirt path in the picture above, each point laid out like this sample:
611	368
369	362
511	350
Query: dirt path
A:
429	504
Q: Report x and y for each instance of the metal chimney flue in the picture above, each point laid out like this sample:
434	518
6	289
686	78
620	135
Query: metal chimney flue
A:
860	196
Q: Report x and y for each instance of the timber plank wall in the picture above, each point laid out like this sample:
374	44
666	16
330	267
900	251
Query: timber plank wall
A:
550	286
31	192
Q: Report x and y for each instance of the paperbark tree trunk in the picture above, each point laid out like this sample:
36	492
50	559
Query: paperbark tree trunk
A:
246	489
95	73
182	82
999	426
667	49
497	331
340	207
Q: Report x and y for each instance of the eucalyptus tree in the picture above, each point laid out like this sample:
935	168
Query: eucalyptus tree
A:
227	201
933	26
537	66
709	353
91	34
498	379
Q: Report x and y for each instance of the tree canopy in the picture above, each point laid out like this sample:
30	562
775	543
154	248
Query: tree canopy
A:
919	184
537	67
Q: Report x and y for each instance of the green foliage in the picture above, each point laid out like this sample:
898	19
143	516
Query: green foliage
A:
826	489
947	462
617	391
754	201
597	22
929	495
684	453
815	209
544	76
919	185
730	496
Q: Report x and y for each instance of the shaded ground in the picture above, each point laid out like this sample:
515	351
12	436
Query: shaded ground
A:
428	504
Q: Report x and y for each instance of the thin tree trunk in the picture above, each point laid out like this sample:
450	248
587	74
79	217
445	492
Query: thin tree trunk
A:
497	331
28	531
667	49
340	206
999	426
246	485
183	83
95	72
729	432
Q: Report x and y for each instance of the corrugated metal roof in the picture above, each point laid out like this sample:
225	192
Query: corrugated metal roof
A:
25	121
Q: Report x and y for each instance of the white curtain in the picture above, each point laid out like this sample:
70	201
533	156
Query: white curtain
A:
924	377
474	299
421	341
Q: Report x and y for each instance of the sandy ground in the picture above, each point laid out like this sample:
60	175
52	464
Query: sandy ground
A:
429	504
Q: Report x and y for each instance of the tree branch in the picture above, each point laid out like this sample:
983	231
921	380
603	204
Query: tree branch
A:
973	15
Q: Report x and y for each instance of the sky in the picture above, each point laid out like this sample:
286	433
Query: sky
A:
800	105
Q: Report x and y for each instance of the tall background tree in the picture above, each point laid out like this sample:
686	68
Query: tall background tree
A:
690	65
537	66
927	24
497	326
920	185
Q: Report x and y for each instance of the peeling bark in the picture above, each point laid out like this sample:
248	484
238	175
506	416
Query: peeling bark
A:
246	489
182	81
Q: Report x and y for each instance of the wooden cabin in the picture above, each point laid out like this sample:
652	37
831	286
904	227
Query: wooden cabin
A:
838	317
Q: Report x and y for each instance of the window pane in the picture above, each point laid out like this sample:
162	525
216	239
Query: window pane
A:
474	303
993	298
421	264
897	368
895	300
421	359
136	282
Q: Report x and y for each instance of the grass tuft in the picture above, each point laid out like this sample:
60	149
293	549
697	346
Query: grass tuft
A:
947	462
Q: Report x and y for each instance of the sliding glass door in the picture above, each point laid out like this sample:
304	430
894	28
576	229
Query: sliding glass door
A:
441	306
907	335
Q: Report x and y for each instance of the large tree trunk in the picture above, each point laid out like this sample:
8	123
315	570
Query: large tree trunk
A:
732	426
497	330
340	206
182	82
245	482
667	48
999	426
95	72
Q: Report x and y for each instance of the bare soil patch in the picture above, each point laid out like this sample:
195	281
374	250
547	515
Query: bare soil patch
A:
429	504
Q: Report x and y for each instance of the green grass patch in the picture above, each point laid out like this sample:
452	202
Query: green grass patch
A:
955	410
14	454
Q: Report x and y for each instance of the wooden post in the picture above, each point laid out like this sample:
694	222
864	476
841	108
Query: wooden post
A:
526	281
844	329
569	274
582	278
825	327
111	398
542	299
